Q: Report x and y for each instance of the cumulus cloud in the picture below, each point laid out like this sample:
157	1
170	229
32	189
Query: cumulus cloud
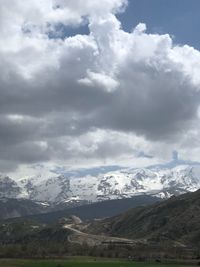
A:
107	96
99	80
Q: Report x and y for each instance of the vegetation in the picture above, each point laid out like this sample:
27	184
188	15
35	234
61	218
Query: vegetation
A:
45	250
91	262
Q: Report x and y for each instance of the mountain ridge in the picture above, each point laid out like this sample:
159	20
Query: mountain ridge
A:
119	184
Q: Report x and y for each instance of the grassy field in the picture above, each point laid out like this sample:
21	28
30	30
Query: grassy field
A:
83	262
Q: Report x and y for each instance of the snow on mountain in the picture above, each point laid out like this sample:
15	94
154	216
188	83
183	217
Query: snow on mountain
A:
118	184
53	189
9	188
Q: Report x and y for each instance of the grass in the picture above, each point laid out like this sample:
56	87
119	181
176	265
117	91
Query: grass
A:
88	262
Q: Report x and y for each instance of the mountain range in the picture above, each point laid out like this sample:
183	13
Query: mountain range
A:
118	184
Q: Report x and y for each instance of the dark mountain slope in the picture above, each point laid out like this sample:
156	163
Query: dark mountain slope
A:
175	220
11	208
96	210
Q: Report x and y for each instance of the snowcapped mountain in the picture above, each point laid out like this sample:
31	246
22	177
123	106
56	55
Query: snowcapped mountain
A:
118	184
9	188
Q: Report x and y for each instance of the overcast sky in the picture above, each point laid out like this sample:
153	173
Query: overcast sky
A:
90	83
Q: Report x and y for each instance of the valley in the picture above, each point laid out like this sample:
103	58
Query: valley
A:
166	229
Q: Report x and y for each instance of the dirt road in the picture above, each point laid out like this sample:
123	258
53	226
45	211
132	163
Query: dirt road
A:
80	237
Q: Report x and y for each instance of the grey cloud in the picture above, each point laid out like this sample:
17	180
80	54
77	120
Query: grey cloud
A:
158	106
26	152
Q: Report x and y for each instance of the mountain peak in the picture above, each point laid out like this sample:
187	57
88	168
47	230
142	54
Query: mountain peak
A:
122	183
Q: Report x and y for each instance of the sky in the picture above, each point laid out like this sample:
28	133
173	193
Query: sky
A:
98	83
178	18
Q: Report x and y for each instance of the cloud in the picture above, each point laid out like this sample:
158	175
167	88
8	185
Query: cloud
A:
99	80
106	96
